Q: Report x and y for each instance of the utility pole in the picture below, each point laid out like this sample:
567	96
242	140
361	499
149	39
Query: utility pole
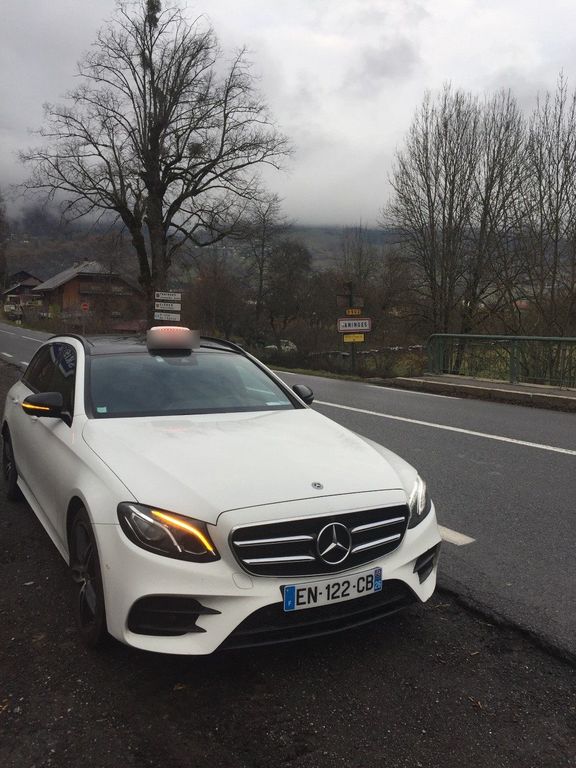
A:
350	286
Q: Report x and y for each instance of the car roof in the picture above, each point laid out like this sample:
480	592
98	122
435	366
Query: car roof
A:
136	344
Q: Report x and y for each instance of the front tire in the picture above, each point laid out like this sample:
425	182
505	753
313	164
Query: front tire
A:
9	470
89	608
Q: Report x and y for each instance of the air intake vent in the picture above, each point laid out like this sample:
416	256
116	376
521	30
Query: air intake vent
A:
166	615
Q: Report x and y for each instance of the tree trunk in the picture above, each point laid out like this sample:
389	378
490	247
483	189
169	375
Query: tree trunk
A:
158	253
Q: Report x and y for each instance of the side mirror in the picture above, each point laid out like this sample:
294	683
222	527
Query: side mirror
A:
44	404
304	393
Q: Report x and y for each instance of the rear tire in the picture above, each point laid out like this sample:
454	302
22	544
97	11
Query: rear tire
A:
9	470
89	608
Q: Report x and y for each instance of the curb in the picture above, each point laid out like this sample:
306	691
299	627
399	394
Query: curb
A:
530	399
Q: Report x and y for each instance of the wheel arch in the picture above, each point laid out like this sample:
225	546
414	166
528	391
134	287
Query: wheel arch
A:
74	506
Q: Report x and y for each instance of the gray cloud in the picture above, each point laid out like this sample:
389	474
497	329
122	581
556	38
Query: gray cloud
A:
396	60
343	79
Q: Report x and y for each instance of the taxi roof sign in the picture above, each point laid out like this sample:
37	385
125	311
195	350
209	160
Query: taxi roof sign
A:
172	337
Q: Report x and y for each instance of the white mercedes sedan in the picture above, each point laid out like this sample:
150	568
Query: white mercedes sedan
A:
202	504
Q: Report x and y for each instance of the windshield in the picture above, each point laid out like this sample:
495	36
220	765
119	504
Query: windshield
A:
203	382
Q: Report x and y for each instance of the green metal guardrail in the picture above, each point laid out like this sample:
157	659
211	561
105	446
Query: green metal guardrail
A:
530	359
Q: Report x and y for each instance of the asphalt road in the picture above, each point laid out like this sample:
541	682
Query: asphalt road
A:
17	345
516	500
435	686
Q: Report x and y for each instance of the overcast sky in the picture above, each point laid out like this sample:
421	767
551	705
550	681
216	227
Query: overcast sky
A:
343	77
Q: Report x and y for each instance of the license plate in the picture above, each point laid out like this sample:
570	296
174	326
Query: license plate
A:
314	593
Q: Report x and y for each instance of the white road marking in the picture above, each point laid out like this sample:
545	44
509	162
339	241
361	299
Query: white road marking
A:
9	333
23	362
454	537
31	338
7	355
499	438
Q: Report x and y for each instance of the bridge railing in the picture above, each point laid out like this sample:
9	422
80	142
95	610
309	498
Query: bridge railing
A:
516	359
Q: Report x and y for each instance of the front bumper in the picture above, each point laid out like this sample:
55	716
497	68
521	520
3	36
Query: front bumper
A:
232	597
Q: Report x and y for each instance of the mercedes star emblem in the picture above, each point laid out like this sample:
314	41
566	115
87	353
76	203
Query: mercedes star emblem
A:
334	543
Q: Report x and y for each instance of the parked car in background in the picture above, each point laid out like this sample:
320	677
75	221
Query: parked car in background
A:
285	346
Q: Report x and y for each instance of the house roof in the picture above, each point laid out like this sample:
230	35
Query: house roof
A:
22	276
29	283
86	268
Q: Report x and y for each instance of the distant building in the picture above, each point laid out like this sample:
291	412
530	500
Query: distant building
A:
93	289
22	278
19	295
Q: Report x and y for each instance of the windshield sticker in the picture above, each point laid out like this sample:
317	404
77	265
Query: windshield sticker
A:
101	409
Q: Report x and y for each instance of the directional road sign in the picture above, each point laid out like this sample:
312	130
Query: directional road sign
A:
351	325
168	296
173	305
167	316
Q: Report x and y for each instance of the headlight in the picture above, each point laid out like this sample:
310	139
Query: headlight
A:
419	503
166	533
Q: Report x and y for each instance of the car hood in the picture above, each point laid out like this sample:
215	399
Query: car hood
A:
204	465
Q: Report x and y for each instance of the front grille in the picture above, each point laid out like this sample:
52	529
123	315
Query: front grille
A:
290	548
272	625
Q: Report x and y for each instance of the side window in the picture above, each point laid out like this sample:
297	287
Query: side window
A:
63	358
38	375
53	369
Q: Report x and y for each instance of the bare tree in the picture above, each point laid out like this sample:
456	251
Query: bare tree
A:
359	259
264	226
217	292
491	268
4	233
548	212
161	133
287	284
433	183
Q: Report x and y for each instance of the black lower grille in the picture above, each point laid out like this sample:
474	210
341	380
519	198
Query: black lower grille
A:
424	565
292	547
272	625
166	615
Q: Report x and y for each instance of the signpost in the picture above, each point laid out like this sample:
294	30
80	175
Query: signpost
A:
85	307
167	306
348	300
168	296
347	324
353	326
